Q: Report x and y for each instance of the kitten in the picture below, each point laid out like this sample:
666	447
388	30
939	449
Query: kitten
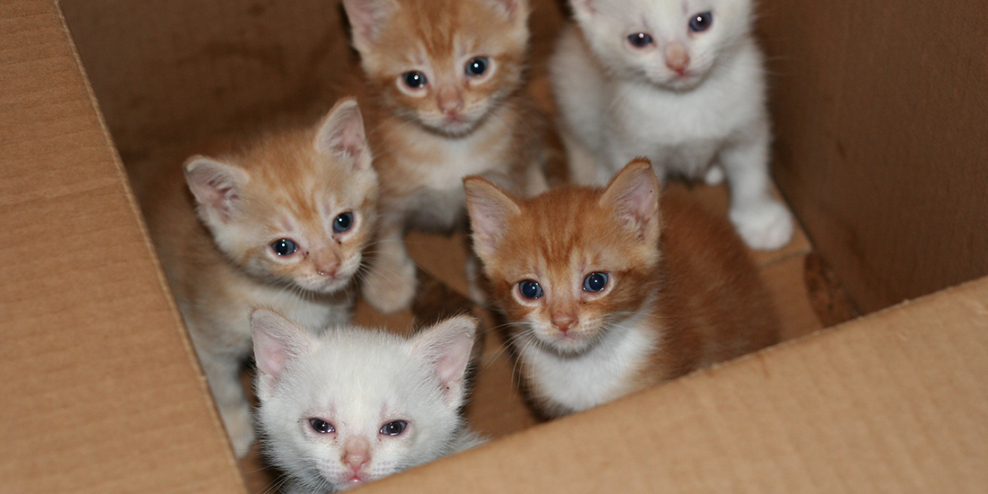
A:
355	405
281	223
680	82
442	82
606	296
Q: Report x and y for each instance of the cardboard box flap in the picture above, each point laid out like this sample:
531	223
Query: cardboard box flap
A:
896	402
95	368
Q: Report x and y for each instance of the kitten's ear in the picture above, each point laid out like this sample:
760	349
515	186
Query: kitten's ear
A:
342	135
491	212
367	17
633	195
448	346
277	341
215	185
583	10
512	8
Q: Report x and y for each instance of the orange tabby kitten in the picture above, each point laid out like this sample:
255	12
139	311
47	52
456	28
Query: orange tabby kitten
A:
442	81
607	296
281	224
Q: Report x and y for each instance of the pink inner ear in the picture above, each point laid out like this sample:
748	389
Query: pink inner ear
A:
214	184
490	212
366	18
342	134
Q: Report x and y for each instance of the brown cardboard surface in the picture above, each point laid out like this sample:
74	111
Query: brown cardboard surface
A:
881	142
100	390
892	403
102	394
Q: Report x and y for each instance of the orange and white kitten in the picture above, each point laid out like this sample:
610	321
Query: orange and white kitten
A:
281	223
606	296
442	80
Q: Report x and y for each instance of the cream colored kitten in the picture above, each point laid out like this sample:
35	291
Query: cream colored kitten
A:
680	82
281	223
354	405
441	90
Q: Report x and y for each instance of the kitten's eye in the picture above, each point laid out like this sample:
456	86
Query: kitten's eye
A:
414	79
394	428
284	247
477	66
321	426
640	40
530	289
701	22
343	222
594	282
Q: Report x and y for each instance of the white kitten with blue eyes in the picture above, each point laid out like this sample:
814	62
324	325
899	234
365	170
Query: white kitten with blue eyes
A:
680	82
354	405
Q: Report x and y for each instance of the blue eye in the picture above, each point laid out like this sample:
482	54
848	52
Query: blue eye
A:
640	40
394	428
321	426
414	79
343	222
530	289
477	66
595	282
701	22
284	247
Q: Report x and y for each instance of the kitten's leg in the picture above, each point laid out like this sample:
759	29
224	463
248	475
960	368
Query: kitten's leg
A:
761	220
222	370
584	167
390	283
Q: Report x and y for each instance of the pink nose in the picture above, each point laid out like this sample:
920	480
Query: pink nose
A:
356	459
327	270
564	323
677	58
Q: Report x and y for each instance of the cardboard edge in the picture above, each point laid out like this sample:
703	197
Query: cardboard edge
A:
135	210
489	461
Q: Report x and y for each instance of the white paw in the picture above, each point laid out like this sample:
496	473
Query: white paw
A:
714	176
763	226
390	288
240	429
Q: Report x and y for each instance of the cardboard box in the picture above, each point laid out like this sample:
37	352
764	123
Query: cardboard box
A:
880	150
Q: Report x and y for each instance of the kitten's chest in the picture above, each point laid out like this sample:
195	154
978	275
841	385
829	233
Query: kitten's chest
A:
607	372
427	180
314	312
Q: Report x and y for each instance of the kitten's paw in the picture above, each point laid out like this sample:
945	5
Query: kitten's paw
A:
240	428
764	226
390	290
714	176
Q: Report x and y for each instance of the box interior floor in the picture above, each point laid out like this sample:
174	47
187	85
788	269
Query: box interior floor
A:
168	74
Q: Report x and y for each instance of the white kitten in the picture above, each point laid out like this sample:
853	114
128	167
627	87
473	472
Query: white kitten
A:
680	82
354	405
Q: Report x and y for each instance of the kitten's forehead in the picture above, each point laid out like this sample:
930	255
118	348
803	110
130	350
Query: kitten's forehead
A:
565	231
438	31
662	16
366	376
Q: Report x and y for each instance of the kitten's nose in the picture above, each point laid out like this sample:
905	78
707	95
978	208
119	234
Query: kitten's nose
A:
356	460
450	102
325	263
563	322
677	58
356	454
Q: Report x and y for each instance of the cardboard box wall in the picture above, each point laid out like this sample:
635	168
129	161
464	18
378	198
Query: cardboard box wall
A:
101	392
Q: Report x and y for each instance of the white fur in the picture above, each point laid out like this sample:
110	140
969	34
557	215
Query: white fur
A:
358	380
575	382
618	102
